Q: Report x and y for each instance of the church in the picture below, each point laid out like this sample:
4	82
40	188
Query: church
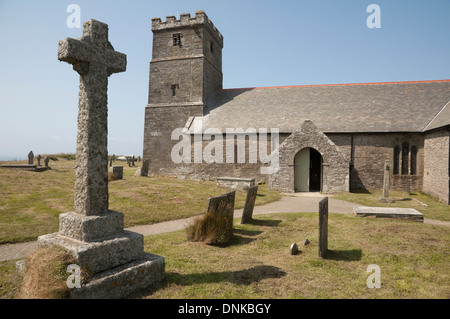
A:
327	138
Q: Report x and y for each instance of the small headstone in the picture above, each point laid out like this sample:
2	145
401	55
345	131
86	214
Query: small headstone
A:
39	159
249	204
30	158
293	249
306	242
138	172
46	160
117	171
386	184
323	227
132	161
144	169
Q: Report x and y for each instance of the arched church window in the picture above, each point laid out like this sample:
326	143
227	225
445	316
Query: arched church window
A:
397	160
413	169
405	158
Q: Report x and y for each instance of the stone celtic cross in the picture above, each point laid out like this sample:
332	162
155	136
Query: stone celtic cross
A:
94	58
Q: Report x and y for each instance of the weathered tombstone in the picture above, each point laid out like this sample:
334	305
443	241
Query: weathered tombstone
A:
132	161
222	207
92	233
117	171
386	184
30	158
249	204
110	161
323	227
139	158
46	160
145	166
39	160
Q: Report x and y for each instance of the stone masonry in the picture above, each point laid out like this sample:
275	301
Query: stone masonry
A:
92	233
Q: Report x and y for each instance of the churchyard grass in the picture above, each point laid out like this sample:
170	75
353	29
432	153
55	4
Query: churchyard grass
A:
30	202
413	258
433	210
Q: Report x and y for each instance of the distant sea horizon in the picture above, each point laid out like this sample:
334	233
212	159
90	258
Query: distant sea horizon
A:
12	158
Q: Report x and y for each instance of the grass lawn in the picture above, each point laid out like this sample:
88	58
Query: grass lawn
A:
413	258
30	202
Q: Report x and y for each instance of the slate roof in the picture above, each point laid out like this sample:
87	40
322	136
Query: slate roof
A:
340	108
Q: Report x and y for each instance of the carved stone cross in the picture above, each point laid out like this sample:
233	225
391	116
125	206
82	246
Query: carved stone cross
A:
94	58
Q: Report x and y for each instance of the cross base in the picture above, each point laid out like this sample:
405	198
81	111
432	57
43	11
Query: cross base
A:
116	259
124	280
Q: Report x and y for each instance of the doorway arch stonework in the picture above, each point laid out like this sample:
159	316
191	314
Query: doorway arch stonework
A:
335	169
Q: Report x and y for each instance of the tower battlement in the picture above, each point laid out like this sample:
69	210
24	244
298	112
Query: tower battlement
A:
186	21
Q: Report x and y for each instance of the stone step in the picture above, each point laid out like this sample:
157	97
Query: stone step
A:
101	255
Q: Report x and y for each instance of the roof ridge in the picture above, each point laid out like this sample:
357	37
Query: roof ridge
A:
338	84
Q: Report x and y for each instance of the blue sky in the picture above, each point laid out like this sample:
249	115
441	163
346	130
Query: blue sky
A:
266	43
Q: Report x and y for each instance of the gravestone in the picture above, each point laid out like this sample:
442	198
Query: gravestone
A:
386	184
323	227
30	158
117	171
408	187
249	204
223	207
39	160
94	234
46	160
144	169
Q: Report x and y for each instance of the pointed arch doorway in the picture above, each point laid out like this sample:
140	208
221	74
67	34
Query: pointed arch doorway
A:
308	171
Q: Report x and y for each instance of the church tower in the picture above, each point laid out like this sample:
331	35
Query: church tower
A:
186	67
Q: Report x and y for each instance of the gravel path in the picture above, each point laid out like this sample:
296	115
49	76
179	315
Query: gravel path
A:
288	204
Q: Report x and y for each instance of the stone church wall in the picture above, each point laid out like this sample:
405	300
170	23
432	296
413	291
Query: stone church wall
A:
369	153
436	165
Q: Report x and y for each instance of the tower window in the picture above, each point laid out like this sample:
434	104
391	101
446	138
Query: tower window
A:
176	39
174	89
211	47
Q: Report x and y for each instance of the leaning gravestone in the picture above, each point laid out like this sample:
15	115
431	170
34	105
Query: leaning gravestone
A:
30	158
92	233
249	204
323	227
39	160
223	207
